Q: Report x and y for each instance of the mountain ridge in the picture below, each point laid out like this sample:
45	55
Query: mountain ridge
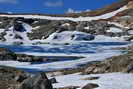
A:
100	11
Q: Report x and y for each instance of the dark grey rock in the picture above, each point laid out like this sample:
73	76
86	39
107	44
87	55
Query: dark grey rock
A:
53	80
90	86
10	78
39	81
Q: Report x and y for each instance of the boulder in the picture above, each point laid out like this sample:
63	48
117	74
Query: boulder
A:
53	80
11	78
39	81
90	86
69	87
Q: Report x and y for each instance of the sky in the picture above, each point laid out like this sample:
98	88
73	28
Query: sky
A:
51	6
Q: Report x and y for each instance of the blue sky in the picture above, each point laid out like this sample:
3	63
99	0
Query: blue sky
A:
51	6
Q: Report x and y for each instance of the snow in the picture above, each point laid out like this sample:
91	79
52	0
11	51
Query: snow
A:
106	81
66	24
102	38
61	64
101	53
10	36
115	30
2	30
68	36
104	16
37	27
27	27
87	27
130	32
116	24
14	63
95	50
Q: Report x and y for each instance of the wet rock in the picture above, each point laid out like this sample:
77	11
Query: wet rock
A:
39	81
90	86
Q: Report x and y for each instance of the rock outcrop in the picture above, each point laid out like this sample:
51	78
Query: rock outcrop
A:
7	55
122	63
11	78
36	82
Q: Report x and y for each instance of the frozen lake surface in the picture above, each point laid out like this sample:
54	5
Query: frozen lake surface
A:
84	52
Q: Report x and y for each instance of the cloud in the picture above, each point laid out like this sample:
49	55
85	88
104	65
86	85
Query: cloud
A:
70	10
9	1
58	3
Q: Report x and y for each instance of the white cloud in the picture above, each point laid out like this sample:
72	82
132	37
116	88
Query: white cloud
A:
70	10
58	3
9	1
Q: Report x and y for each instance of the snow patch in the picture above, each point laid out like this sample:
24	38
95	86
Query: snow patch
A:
37	27
87	27
130	32
2	30
69	36
11	33
105	81
115	30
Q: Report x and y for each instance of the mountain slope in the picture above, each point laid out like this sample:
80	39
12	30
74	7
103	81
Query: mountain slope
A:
114	20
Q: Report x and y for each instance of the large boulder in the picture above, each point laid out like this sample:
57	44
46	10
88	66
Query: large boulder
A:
11	78
39	81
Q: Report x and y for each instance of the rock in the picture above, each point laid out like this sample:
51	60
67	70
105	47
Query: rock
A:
6	54
53	80
10	78
91	78
39	81
69	87
90	86
122	63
